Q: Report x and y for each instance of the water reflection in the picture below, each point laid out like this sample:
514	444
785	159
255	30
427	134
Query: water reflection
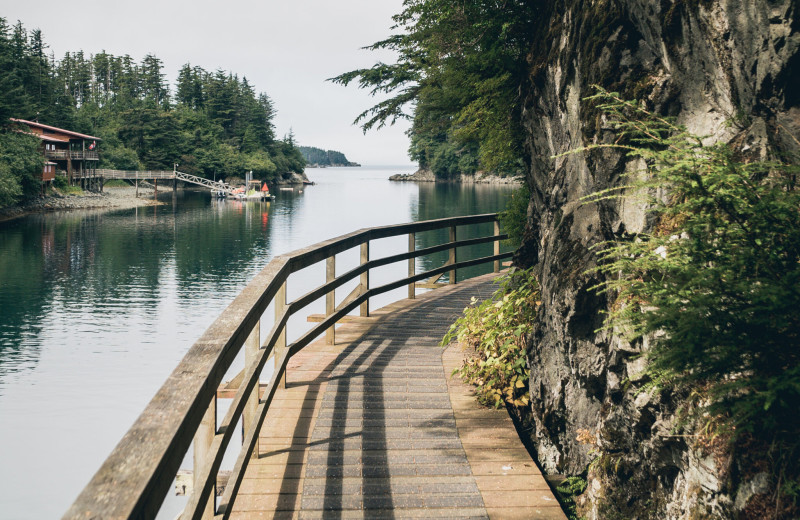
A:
438	200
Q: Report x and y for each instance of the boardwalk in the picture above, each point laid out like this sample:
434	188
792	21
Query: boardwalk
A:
374	427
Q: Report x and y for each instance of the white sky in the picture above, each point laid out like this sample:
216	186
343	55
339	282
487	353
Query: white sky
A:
286	48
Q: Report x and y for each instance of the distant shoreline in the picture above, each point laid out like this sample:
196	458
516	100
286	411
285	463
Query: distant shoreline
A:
322	166
423	175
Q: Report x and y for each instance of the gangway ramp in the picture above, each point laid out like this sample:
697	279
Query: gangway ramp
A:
134	175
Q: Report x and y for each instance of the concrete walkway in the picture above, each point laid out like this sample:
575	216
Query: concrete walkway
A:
375	427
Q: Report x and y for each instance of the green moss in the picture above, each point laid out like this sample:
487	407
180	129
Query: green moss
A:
515	216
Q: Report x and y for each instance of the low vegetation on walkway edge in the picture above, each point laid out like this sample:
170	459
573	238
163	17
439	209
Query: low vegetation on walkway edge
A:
494	333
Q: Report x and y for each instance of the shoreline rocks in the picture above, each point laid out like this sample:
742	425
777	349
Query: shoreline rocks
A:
295	178
110	199
348	165
424	175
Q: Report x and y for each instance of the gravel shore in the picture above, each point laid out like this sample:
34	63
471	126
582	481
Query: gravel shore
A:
111	198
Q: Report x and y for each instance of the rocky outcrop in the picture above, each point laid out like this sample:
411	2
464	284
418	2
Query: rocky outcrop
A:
421	175
724	68
293	178
424	175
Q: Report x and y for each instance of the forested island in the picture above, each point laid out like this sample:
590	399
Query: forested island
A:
650	340
213	123
319	158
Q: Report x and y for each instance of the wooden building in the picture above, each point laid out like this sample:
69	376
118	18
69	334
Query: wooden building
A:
67	153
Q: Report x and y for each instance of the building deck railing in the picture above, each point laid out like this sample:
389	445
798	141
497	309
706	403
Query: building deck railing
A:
136	477
77	155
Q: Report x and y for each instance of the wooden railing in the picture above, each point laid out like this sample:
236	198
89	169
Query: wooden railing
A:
136	477
89	155
134	175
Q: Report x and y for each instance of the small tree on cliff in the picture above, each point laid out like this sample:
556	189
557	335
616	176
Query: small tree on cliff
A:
716	286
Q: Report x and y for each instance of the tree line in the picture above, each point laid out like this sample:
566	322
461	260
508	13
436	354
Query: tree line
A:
213	124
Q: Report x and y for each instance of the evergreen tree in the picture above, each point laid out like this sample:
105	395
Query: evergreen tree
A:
101	67
154	86
20	165
459	69
13	100
40	88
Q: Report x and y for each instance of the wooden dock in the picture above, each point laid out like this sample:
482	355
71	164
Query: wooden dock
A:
99	176
374	426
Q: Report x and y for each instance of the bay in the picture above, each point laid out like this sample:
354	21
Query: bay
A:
97	308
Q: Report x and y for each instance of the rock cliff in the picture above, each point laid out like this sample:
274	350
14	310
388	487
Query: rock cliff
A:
727	69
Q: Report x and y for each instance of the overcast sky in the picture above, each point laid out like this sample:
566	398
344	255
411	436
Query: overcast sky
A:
285	48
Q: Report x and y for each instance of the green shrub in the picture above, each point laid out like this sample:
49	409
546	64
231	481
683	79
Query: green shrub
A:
515	217
21	165
60	182
496	330
716	286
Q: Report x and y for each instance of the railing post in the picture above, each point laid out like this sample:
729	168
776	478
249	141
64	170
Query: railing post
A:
330	298
452	259
251	347
496	245
365	277
412	265
280	343
202	442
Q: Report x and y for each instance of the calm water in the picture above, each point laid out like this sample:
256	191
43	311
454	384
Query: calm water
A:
97	308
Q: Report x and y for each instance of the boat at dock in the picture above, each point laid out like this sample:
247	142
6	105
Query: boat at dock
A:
251	193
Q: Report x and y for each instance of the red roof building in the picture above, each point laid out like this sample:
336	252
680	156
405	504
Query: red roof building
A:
72	153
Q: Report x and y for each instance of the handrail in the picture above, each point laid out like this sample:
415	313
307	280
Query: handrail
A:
208	183
131	175
137	475
90	155
134	175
